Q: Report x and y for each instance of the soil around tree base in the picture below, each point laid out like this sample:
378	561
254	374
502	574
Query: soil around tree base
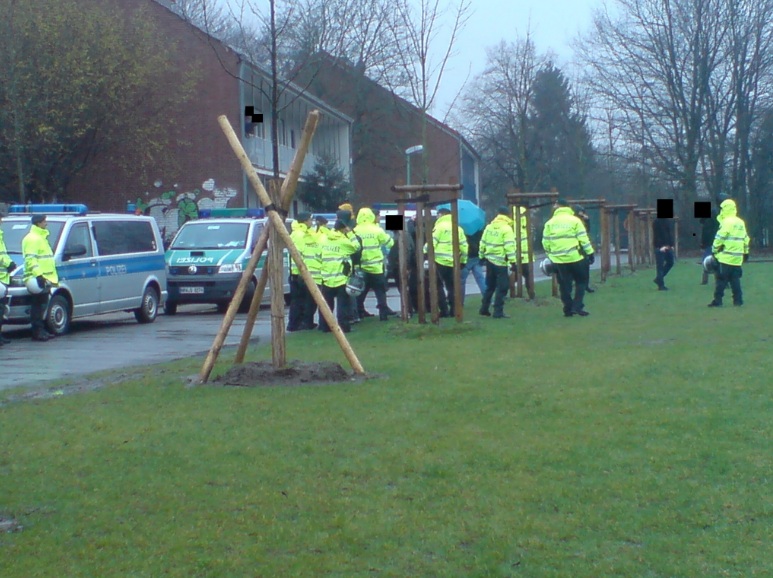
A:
262	374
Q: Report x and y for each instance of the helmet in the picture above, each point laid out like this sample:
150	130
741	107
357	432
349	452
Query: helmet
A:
710	264
3	290
547	268
32	286
355	285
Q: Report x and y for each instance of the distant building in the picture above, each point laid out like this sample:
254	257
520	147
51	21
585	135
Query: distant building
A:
208	172
384	127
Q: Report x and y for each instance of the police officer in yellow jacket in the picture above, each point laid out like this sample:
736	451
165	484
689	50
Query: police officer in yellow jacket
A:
39	265
563	238
7	266
731	250
302	305
443	244
497	250
335	267
374	240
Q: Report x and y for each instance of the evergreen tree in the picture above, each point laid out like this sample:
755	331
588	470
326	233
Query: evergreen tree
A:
326	186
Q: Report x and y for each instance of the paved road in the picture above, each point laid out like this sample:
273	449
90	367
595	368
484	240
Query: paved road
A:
117	340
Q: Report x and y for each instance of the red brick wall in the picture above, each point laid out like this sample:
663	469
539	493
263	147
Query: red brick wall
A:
197	142
382	133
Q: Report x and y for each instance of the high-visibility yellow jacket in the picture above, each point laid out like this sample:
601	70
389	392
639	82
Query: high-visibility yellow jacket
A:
374	238
443	242
38	256
563	237
335	250
307	243
732	241
497	245
5	261
524	233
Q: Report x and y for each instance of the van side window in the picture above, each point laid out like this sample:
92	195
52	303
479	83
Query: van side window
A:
79	235
120	237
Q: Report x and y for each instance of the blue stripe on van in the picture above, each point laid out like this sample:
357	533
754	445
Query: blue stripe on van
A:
118	265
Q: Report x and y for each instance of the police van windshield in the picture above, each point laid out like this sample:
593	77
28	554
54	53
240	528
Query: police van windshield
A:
14	231
212	236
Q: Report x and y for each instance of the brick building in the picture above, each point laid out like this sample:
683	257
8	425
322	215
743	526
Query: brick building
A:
384	127
207	169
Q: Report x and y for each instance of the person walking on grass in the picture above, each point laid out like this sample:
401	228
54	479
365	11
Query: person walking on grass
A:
563	237
663	240
443	244
497	250
473	264
731	250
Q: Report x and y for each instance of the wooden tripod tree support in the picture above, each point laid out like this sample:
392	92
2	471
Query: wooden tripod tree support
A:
527	202
286	195
614	212
643	218
277	222
425	197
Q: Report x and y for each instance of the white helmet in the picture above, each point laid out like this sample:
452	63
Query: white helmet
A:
547	268
355	285
32	286
3	290
710	264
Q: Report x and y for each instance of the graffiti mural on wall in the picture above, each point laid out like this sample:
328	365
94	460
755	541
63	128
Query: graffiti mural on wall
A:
172	208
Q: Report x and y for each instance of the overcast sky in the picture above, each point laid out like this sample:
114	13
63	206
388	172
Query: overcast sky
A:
553	24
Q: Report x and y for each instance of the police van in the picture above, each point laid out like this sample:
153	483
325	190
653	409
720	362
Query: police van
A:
105	263
206	257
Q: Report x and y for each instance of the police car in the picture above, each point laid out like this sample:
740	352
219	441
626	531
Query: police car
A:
105	263
206	257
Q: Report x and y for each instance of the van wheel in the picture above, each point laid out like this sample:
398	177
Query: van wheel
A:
244	306
147	312
222	307
170	308
58	317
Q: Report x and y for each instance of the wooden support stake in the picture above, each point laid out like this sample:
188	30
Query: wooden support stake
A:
421	292
631	241
402	254
433	280
278	223
605	245
275	255
618	261
249	323
518	255
676	238
455	241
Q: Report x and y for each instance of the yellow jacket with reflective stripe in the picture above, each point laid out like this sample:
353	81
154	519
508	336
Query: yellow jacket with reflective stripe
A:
497	245
373	239
731	236
443	242
335	249
563	236
524	234
307	242
5	261
38	256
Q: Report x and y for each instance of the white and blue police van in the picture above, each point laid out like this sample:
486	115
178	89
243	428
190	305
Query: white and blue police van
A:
207	255
105	263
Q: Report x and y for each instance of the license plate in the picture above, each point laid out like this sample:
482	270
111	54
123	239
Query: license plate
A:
191	290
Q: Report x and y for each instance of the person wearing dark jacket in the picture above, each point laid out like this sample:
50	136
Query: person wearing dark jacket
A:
473	264
709	228
393	264
663	240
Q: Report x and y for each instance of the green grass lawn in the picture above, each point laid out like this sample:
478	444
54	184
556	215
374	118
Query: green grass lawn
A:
635	442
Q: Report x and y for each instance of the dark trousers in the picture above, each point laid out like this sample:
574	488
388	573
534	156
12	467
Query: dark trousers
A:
525	271
497	284
338	300
664	260
413	290
377	282
729	274
302	305
572	273
446	285
38	306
